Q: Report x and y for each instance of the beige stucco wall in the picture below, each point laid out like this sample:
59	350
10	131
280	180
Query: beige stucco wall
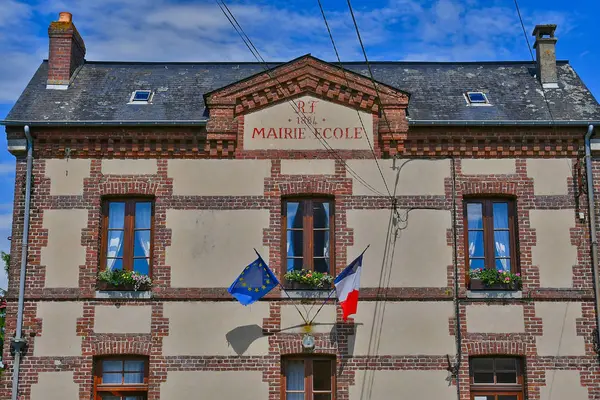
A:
219	328
411	180
501	166
549	175
122	319
210	248
291	322
559	328
561	385
129	167
495	319
308	167
338	126
66	175
421	256
219	177
214	385
55	386
64	252
553	252
59	329
385	385
408	328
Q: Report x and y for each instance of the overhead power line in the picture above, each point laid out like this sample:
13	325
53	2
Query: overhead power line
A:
248	42
337	54
524	31
533	59
362	46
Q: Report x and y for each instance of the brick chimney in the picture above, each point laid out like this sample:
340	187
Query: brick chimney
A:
67	52
545	48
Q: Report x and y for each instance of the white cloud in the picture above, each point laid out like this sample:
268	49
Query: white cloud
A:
13	12
165	30
16	74
5	222
7	168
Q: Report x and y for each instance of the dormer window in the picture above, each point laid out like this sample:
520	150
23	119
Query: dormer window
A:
477	98
141	97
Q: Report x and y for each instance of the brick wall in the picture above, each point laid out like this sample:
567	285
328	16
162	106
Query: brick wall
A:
224	140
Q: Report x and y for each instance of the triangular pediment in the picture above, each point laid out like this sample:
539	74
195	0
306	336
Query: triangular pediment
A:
307	75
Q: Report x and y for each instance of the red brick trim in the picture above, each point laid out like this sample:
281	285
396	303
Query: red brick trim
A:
121	346
306	74
131	187
482	187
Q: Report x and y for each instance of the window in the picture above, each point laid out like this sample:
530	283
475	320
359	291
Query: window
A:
477	98
308	378
491	234
141	96
127	235
121	378
498	378
308	234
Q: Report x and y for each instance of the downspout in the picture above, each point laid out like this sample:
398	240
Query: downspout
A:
456	367
592	212
18	344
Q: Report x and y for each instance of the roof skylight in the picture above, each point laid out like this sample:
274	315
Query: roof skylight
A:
477	98
141	96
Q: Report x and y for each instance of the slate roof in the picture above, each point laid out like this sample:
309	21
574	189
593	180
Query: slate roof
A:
101	90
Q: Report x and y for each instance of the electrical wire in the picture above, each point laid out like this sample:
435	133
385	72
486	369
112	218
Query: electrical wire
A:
248	42
231	18
368	65
348	83
524	31
533	59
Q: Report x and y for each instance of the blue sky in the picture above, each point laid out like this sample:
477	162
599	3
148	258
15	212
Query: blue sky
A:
170	30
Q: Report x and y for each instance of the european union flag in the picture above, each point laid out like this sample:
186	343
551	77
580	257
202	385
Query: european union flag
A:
255	281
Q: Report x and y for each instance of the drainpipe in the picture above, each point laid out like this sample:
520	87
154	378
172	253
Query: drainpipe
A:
456	367
18	344
592	211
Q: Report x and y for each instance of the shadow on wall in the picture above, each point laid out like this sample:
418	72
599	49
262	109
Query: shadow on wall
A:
241	338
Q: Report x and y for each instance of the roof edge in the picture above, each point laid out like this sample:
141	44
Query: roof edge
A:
203	122
379	62
199	122
501	123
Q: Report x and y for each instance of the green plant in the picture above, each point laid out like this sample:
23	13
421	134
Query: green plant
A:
493	276
6	259
119	277
310	278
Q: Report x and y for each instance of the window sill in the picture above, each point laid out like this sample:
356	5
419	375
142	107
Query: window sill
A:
123	294
307	294
494	294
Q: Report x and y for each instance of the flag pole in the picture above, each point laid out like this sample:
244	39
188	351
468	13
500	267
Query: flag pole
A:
322	305
283	289
331	292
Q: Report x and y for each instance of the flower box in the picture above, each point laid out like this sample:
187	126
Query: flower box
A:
477	284
293	285
493	279
119	279
105	286
307	280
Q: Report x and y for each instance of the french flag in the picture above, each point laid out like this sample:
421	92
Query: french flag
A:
347	285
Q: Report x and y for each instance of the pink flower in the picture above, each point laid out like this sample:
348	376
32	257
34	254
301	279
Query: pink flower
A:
518	274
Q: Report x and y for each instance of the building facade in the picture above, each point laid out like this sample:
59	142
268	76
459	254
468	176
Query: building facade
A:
180	171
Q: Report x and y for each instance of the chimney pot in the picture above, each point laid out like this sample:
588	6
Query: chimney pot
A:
65	17
545	49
